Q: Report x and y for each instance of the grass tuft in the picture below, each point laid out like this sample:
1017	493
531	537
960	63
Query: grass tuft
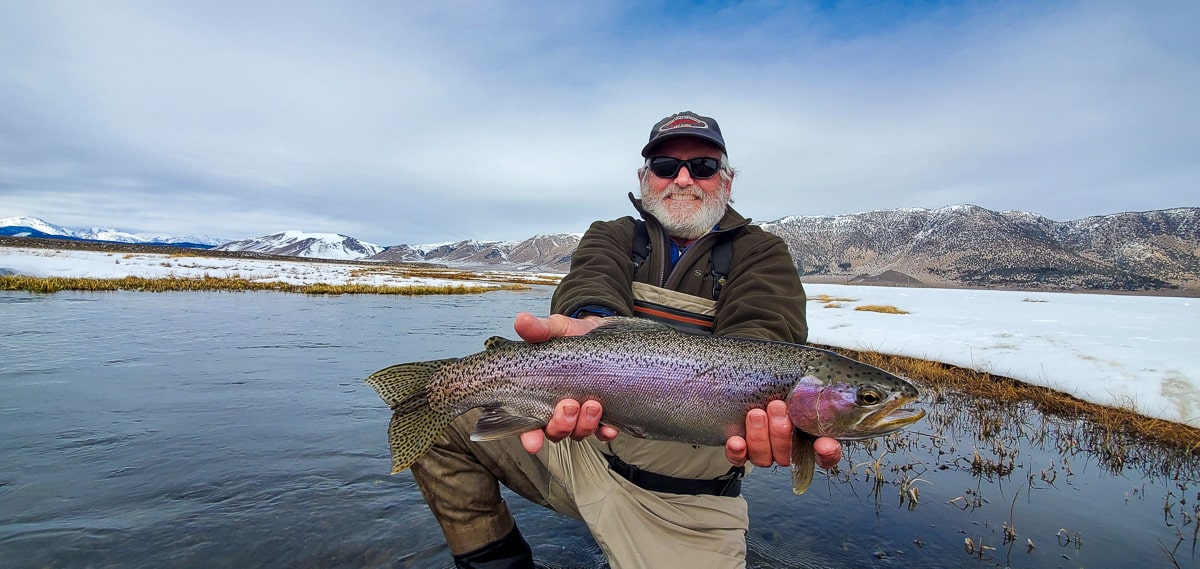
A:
884	309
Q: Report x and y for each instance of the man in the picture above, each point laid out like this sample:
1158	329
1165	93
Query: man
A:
696	264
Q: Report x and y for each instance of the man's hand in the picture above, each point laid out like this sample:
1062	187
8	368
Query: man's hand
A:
536	330
571	419
768	440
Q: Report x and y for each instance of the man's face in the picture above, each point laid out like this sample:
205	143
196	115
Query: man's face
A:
687	207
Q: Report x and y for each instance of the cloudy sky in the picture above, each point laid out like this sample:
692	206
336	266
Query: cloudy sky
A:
416	122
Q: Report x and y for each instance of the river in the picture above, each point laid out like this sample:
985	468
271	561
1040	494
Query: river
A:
234	430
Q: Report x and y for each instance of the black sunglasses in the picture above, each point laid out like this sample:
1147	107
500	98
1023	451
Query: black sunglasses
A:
700	168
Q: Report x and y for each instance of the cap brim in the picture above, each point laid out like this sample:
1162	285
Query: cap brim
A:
659	140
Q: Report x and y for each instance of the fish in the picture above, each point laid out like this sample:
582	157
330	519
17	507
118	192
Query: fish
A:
653	382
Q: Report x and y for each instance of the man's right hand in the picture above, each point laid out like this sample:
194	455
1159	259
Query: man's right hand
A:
570	419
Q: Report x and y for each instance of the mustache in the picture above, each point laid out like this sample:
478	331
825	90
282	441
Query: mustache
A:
674	189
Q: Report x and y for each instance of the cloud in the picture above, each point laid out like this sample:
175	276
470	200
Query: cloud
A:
498	120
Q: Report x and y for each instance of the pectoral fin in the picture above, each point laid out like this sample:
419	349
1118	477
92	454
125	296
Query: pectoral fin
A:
804	461
496	424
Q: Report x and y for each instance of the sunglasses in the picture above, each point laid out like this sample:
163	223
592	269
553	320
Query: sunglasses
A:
700	168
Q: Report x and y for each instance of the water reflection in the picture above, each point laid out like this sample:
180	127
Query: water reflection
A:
233	429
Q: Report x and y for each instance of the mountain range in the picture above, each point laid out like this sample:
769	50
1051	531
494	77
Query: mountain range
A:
34	227
962	245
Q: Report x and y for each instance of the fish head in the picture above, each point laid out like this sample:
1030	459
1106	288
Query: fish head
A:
846	399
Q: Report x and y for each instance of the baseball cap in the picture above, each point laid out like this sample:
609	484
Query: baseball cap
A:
685	123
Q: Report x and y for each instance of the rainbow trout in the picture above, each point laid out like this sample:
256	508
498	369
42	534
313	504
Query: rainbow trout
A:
653	382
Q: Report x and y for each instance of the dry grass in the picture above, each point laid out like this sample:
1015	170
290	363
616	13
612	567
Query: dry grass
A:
881	308
825	298
1112	423
230	284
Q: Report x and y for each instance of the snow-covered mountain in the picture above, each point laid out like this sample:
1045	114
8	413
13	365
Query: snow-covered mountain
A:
973	246
960	245
300	244
538	253
34	227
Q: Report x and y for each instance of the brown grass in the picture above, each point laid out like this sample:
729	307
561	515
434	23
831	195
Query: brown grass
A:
229	284
827	299
1111	421
881	308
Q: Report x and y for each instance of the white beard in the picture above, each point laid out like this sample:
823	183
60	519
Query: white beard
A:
683	219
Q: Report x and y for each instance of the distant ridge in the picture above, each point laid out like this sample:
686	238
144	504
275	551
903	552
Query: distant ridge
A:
34	227
961	245
968	245
300	244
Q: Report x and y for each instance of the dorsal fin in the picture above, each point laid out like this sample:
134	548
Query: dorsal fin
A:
629	325
496	342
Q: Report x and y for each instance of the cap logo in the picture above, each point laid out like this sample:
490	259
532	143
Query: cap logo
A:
684	121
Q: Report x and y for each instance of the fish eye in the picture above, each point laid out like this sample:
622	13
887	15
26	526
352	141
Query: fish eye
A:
869	396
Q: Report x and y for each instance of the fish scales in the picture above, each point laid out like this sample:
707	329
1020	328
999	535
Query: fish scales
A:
653	382
661	387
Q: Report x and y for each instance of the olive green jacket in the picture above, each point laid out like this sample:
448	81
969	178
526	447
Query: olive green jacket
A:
762	298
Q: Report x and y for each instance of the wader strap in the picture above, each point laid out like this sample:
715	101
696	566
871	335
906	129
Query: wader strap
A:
728	485
722	255
641	245
722	258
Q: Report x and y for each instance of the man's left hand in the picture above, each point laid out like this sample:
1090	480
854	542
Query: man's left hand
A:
768	440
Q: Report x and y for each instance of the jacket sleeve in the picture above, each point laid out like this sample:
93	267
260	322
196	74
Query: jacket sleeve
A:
763	297
601	270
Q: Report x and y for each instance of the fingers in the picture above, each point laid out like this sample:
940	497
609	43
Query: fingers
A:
533	441
829	452
735	450
531	328
570	419
562	423
534	330
589	420
768	438
758	438
779	427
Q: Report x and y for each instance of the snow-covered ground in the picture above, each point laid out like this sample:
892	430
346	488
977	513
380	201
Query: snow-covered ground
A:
1135	352
108	265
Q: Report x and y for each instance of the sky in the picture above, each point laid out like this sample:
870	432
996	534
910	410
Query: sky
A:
1134	352
420	122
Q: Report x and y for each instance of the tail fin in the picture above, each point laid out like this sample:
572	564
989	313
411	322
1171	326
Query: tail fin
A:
415	426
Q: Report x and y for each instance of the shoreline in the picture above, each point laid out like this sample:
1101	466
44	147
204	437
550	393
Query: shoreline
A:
1186	291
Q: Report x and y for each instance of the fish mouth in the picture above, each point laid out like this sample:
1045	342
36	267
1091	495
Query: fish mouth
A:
898	419
889	418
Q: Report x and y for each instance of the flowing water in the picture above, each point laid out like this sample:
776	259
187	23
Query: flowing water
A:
234	430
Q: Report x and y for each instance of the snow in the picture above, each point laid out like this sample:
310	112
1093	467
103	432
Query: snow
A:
105	234
1135	352
104	265
35	223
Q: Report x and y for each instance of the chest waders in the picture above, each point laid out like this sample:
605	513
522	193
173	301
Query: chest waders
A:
690	314
673	308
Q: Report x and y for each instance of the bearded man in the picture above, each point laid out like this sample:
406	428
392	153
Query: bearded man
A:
691	262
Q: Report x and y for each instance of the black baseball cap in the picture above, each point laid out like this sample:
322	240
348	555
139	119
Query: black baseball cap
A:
685	123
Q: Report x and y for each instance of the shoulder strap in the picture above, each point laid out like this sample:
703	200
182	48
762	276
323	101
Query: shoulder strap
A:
641	244
722	260
722	254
